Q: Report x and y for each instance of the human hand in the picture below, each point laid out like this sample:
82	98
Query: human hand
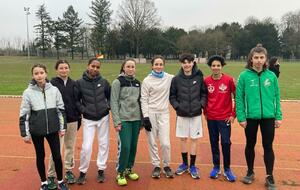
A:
278	123
62	133
147	124
27	140
229	120
118	127
243	124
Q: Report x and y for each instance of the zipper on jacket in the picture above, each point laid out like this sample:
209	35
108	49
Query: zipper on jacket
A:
190	111
95	88
261	106
46	112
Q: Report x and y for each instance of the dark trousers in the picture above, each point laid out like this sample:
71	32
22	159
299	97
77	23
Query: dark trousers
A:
53	141
216	127
267	128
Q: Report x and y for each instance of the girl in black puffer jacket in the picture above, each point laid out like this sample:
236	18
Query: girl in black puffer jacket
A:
93	94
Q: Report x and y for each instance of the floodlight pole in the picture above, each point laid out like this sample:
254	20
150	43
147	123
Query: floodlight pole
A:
26	9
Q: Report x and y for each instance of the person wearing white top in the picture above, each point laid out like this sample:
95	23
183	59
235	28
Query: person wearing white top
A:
155	108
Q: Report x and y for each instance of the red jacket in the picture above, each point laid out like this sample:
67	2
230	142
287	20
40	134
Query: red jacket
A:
219	100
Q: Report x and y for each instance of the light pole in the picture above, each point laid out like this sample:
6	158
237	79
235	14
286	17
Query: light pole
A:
26	9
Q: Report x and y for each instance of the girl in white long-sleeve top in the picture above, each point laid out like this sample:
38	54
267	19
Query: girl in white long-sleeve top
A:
155	108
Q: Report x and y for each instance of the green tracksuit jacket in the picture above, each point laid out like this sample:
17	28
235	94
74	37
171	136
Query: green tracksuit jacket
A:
257	96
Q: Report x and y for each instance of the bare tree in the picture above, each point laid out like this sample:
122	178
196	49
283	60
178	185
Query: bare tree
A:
140	15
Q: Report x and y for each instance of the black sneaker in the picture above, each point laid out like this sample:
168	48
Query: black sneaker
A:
51	183
270	184
81	179
101	177
70	177
63	186
168	172
156	172
249	178
44	187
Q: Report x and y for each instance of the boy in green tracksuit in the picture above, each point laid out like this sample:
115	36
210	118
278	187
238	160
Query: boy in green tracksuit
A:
126	114
258	104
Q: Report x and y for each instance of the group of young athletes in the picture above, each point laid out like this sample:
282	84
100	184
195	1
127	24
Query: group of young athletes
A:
52	110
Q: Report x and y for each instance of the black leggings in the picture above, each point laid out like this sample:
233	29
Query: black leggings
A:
53	141
267	128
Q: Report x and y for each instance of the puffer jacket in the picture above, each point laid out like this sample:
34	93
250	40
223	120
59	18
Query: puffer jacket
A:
42	111
92	97
188	94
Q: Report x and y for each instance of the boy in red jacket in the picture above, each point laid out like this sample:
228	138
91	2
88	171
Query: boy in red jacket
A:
220	113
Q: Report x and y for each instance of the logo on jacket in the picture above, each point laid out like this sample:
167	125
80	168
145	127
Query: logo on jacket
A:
194	82
137	84
210	88
223	87
98	85
267	83
252	83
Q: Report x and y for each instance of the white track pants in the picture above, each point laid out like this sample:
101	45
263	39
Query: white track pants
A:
89	129
160	128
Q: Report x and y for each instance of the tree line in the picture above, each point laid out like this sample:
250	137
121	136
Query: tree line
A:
136	32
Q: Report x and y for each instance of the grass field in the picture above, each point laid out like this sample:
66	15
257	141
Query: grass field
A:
15	73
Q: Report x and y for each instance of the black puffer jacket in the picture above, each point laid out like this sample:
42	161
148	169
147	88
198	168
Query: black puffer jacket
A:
67	92
188	94
92	97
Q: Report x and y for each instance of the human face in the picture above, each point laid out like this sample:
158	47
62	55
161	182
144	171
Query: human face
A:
187	66
158	65
63	70
39	75
129	68
258	60
216	67
93	68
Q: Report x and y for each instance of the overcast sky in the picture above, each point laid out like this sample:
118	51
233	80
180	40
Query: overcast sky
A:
185	14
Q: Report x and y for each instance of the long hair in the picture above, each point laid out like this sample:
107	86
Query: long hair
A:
125	61
40	66
272	61
258	49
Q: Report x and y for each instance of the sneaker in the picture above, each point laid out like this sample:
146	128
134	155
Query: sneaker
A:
44	187
70	178
270	184
215	172
229	175
168	172
249	178
194	172
63	186
81	179
121	180
101	177
51	183
181	169
131	175
156	173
